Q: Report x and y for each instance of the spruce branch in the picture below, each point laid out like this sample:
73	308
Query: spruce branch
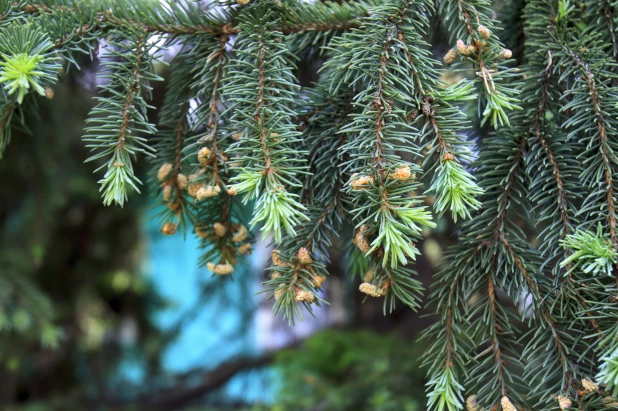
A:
546	145
381	179
448	345
608	369
472	29
388	218
492	376
607	161
442	123
262	90
219	221
321	116
210	142
171	182
593	108
603	13
173	18
554	372
28	61
454	186
526	301
120	115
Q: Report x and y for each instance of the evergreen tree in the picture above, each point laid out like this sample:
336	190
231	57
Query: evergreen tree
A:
526	318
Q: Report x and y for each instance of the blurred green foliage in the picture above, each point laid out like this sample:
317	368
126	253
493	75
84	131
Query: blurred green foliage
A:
351	370
70	278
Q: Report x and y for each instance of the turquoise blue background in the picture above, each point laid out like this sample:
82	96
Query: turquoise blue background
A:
216	314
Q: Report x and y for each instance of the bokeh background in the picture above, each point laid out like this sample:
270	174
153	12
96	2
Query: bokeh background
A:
100	311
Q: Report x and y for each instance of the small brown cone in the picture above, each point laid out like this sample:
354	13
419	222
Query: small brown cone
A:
167	193
361	182
304	296
277	260
610	403
589	386
168	228
201	232
361	240
484	32
462	48
220	269
564	402
401	173
207	191
507	405
450	57
304	257
318	281
203	156
220	229
369	289
244	249
182	181
194	188
471	404
241	235
164	172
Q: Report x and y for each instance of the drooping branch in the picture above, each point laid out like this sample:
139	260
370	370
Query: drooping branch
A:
211	25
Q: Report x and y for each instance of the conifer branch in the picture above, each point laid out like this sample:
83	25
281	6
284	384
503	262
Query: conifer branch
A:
209	24
213	117
607	159
488	319
543	158
27	63
593	118
268	132
537	131
218	218
171	181
472	29
454	186
602	17
569	369
298	270
525	304
120	115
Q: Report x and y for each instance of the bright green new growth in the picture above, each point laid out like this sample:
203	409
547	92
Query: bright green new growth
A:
591	252
262	91
455	190
395	225
608	372
27	61
445	393
278	210
20	73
